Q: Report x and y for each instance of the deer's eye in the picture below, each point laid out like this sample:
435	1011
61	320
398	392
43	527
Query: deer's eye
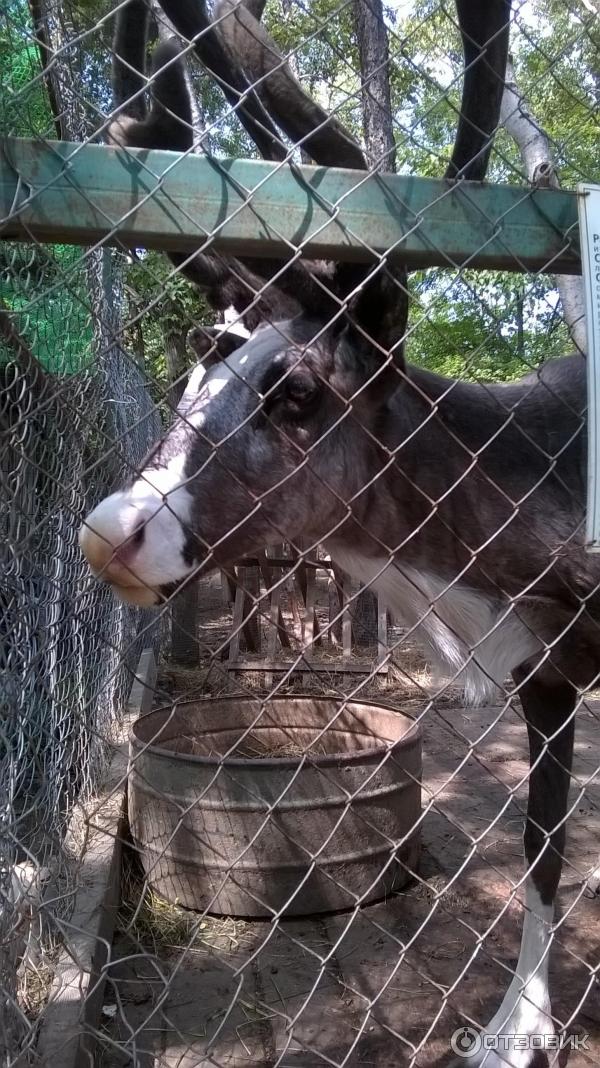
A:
293	399
301	389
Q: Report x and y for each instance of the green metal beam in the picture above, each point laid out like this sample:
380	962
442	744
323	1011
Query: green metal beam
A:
82	194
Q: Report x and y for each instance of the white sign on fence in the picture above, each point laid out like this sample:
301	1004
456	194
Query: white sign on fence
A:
589	228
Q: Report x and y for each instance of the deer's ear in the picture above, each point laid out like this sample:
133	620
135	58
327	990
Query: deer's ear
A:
369	345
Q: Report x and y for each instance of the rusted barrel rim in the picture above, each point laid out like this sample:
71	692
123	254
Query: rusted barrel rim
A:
412	735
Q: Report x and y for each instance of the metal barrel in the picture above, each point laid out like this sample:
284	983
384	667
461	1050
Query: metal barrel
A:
297	805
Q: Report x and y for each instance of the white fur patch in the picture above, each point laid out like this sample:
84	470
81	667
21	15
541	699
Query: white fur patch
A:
192	389
232	323
158	482
467	633
160	495
197	396
165	506
525	1008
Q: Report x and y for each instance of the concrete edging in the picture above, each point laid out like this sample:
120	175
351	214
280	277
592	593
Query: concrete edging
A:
74	1008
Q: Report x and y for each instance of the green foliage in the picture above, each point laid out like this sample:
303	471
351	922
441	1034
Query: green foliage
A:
47	287
160	302
24	109
319	37
45	284
484	325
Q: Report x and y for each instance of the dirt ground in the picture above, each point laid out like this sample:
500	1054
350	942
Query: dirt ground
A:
385	986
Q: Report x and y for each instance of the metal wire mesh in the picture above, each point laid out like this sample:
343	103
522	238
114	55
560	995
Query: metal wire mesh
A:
291	888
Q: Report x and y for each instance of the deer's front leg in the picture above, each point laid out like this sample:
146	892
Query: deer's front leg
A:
525	1008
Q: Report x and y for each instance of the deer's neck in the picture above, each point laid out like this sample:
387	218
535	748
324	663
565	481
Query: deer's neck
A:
435	534
468	463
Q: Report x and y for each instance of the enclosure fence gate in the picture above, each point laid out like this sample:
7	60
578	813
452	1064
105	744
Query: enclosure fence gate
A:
296	611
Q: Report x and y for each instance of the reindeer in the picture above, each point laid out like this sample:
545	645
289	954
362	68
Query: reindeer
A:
463	502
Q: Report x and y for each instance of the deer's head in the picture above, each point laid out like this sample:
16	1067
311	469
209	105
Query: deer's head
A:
284	436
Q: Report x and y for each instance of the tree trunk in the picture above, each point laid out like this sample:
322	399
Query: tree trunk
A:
53	32
184	626
373	48
534	145
184	608
37	12
176	364
138	344
520	316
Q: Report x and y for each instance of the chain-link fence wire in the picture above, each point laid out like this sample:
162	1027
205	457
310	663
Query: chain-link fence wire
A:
96	350
75	412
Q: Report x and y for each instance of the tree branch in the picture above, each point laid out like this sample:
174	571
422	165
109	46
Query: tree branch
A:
536	154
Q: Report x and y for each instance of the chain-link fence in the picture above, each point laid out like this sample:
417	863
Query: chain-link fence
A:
349	586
